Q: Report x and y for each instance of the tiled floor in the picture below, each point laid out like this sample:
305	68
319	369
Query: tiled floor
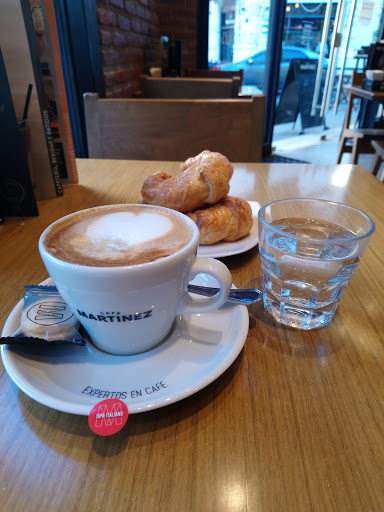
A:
315	145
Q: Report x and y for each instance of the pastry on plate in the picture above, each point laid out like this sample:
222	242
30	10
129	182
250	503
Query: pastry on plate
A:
204	180
226	221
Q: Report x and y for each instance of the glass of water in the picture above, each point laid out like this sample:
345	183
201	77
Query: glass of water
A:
309	251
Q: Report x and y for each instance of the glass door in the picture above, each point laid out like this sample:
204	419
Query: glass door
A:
247	35
237	39
300	54
335	35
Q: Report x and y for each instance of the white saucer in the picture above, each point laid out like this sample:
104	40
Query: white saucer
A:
221	250
73	378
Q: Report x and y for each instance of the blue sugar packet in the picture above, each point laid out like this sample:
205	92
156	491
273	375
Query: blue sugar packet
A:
45	319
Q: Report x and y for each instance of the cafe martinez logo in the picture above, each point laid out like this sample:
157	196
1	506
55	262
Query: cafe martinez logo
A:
114	317
49	313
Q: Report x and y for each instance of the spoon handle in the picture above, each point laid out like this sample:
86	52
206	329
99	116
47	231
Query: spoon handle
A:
239	296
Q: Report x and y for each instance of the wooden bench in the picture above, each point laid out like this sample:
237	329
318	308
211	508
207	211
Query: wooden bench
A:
189	88
213	73
173	129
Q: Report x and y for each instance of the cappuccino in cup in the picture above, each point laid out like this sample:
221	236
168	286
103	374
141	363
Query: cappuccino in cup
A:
124	272
117	236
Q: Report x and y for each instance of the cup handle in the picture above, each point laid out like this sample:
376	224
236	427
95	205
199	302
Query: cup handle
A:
219	271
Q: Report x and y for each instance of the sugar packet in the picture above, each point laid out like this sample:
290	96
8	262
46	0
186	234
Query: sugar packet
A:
45	319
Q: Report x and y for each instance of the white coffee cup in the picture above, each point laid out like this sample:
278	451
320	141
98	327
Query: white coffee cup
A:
129	309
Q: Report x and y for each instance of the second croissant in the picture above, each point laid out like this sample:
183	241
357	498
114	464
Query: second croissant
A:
200	191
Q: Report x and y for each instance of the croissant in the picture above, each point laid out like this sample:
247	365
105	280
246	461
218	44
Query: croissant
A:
204	180
226	221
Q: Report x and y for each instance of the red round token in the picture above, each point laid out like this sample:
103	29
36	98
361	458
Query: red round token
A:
108	417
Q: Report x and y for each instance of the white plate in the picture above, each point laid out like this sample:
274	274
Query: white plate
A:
221	250
73	379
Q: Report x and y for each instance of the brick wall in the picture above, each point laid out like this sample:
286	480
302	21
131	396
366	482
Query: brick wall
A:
178	20
130	33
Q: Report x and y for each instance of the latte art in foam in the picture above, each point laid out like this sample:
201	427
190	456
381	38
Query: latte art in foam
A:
117	236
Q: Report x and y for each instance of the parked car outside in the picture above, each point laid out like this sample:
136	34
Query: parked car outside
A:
254	66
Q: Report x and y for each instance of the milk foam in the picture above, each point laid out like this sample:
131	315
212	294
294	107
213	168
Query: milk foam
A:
120	231
112	235
121	236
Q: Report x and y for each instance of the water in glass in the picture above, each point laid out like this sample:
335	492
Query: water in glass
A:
304	278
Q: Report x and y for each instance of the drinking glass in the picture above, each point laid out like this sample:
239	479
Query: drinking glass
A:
309	251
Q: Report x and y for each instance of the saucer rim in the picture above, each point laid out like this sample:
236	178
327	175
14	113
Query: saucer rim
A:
67	406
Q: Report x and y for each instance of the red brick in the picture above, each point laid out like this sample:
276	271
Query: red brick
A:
117	3
142	12
133	57
136	55
178	21
132	39
154	32
109	78
106	17
137	44
124	22
105	37
130	7
190	45
110	58
184	35
136	26
145	28
154	19
141	41
119	39
121	92
125	76
127	91
120	77
164	10
184	11
113	94
125	56
191	24
131	88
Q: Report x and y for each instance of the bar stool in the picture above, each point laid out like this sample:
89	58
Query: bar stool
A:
358	140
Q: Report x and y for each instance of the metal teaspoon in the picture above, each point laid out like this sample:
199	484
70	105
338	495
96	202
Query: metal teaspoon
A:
239	296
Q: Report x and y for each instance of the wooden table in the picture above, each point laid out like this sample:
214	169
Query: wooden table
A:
295	424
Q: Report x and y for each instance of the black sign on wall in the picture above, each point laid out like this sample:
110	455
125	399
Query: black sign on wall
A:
297	94
16	192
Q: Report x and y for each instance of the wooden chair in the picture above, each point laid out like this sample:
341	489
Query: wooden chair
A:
189	88
379	157
173	130
213	73
358	140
